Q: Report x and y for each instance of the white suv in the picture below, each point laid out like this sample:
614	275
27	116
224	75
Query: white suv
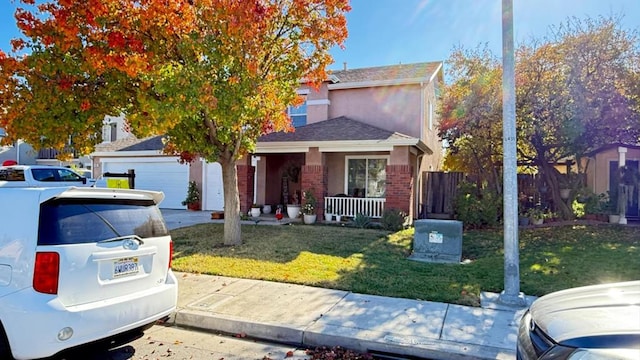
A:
78	265
39	175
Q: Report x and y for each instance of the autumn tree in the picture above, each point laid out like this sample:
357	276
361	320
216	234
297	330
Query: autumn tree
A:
212	75
575	93
471	116
577	90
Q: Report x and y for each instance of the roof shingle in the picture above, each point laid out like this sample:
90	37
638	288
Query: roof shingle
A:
336	129
391	72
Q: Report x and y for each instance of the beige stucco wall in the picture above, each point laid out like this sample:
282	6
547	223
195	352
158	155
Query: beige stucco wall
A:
393	108
432	162
598	170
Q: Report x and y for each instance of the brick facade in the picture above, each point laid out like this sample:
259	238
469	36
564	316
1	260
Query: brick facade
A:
245	186
316	178
399	191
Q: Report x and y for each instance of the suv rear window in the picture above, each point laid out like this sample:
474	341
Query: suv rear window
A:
76	221
12	174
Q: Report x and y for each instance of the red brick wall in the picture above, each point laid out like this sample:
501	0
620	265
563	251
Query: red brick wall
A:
399	191
245	186
316	178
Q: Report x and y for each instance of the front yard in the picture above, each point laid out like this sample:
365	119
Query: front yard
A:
375	262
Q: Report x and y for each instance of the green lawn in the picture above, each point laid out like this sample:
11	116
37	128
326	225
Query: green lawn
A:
375	262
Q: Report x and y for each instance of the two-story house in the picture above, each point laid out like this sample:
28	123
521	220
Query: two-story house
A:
361	142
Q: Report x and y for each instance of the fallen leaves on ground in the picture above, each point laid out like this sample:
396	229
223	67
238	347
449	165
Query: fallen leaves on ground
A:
335	353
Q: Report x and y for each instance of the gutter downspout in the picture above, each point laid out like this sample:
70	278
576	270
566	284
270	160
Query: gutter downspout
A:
419	187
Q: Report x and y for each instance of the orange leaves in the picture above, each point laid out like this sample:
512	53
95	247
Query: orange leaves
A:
17	44
115	39
85	105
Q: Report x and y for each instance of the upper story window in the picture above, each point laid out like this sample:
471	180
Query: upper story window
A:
110	132
298	114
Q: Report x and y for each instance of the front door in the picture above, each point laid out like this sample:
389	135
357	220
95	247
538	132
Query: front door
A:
633	211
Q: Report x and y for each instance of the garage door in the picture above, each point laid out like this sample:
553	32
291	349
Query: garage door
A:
213	190
166	175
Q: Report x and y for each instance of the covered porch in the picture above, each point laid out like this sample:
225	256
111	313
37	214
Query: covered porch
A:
347	176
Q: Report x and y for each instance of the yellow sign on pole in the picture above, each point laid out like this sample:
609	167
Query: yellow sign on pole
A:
118	183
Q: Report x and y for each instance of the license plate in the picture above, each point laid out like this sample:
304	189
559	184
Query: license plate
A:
124	267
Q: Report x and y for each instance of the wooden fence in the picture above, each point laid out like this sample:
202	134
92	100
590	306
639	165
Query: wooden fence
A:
438	192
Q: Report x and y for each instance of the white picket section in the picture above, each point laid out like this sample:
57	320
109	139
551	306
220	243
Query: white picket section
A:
351	206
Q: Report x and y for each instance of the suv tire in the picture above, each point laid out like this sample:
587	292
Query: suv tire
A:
5	351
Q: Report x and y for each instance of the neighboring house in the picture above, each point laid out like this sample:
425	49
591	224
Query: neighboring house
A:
602	172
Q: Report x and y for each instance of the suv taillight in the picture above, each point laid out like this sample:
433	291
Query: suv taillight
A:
45	272
170	253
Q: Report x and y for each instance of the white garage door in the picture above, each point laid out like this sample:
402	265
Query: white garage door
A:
213	190
166	175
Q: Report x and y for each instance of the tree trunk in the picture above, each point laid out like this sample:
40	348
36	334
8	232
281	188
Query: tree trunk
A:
232	231
550	175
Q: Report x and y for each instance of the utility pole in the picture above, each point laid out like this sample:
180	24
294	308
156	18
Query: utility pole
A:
511	295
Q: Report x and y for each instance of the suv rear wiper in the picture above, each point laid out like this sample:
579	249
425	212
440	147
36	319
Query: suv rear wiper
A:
120	238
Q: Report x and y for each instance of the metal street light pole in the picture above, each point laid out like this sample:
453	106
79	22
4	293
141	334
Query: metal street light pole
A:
511	295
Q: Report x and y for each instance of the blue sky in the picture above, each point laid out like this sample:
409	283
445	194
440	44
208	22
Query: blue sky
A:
385	32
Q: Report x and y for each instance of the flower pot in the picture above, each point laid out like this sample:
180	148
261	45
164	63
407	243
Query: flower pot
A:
328	217
266	209
565	193
535	221
193	206
309	219
338	218
614	218
255	212
293	211
523	221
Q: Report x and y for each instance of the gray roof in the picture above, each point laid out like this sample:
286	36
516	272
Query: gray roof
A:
391	72
132	144
336	129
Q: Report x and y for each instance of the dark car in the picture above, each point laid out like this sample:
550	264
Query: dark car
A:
584	323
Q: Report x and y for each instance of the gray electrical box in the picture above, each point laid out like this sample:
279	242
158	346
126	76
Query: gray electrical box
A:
437	241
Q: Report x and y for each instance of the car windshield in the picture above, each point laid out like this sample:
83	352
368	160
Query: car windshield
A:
75	221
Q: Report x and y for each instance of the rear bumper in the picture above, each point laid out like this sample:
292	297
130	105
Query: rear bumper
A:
32	318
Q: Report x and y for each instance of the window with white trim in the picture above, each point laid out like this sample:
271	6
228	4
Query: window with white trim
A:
298	114
366	176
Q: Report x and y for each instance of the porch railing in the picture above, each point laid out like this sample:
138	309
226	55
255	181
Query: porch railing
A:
352	206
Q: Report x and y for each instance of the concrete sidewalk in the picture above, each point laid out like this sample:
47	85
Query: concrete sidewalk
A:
310	317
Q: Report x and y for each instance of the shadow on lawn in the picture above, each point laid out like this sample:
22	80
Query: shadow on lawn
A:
551	259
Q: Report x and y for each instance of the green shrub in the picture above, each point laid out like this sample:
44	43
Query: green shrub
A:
477	208
393	220
361	221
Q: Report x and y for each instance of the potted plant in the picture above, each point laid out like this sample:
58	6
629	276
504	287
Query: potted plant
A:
192	201
536	215
523	219
338	214
293	209
309	207
328	213
255	210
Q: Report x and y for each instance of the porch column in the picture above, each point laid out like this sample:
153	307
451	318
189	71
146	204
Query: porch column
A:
245	183
622	159
314	176
399	191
